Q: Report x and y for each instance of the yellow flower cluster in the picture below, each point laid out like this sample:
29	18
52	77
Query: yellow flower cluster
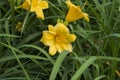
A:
37	6
57	37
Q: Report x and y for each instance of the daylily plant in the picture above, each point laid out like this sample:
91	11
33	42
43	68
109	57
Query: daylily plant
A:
36	6
75	12
58	38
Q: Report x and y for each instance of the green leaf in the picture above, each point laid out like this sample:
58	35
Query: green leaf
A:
83	68
8	35
58	64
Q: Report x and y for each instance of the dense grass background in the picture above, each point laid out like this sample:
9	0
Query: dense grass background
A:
24	57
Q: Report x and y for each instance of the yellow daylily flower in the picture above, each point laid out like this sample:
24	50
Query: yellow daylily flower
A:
58	38
75	12
36	6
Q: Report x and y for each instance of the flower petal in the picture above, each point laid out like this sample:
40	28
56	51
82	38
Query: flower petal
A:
39	13
61	29
70	4
47	38
71	37
43	4
51	28
62	46
26	5
52	49
86	17
34	5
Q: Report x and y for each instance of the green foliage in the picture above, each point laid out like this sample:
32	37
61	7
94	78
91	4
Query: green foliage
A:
24	57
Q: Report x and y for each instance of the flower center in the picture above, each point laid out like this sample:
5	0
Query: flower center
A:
58	38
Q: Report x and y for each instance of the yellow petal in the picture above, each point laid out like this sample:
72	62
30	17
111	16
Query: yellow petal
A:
59	48
28	1
61	29
71	37
64	38
33	5
68	47
39	13
86	17
70	4
52	49
51	28
62	46
26	5
60	39
38	4
43	4
47	38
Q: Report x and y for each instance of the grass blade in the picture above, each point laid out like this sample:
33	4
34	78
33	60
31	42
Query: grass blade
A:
58	64
83	68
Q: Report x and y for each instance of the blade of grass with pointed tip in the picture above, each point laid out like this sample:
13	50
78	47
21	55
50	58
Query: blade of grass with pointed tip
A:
57	65
80	71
